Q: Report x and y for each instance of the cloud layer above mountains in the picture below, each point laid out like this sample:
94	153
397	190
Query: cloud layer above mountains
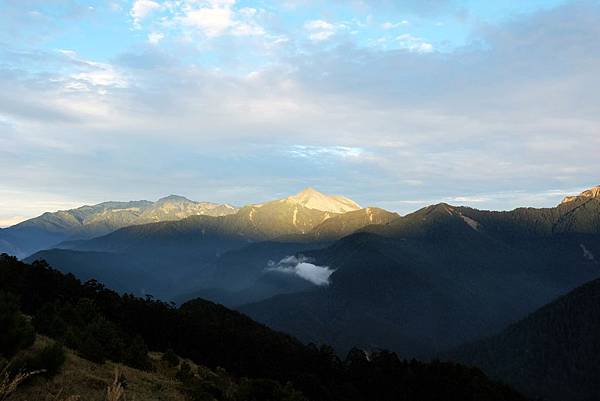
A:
239	102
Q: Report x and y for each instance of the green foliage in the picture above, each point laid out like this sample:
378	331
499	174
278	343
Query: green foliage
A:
553	354
136	355
100	324
100	340
48	360
48	321
16	332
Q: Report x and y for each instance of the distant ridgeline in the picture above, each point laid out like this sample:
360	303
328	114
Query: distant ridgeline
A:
49	229
325	270
101	325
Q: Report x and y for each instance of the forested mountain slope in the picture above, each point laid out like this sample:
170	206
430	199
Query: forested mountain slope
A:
89	314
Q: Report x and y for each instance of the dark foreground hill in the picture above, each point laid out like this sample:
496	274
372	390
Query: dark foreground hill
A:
554	353
87	315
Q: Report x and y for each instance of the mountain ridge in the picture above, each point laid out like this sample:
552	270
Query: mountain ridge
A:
553	353
90	221
484	269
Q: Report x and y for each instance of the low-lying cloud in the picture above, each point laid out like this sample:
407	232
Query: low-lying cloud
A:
303	268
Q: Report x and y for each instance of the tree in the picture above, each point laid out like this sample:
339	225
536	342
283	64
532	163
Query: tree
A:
100	341
136	355
171	358
16	332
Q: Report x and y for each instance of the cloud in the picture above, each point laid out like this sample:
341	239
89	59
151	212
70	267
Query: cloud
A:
320	30
393	25
155	37
215	18
493	116
304	151
414	43
301	267
142	9
212	20
93	75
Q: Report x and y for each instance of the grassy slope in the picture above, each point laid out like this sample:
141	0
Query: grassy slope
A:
89	381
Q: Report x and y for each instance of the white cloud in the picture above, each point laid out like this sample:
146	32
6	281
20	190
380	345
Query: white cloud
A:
102	75
320	151
469	123
320	30
94	74
301	267
414	43
142	9
247	29
215	18
155	37
392	25
212	21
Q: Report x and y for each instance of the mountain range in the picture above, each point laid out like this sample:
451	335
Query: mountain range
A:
441	276
326	270
85	222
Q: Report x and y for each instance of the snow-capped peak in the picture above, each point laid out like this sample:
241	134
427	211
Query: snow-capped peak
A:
313	199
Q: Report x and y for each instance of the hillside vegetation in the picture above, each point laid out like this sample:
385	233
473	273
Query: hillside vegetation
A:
264	365
554	353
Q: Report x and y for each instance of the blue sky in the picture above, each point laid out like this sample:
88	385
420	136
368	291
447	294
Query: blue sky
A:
396	104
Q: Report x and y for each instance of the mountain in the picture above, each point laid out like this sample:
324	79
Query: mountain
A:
418	284
86	222
239	358
553	354
220	257
313	199
348	223
585	195
431	280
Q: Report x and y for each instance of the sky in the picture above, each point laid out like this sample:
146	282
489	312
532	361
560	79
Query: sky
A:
397	104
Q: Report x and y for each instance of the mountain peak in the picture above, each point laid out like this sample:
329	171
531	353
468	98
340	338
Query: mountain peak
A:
174	198
313	199
593	192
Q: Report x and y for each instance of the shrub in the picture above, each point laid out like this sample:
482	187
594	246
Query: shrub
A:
100	341
51	358
48	321
185	374
16	333
47	361
136	355
171	358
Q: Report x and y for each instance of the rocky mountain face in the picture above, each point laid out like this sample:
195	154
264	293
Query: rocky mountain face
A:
86	222
587	194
